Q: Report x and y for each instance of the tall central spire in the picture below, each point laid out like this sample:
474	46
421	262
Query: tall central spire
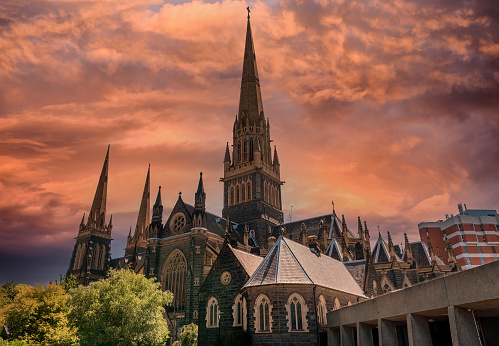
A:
97	214
144	211
250	101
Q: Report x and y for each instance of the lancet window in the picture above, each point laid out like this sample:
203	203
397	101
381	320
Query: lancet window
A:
263	318
174	277
212	313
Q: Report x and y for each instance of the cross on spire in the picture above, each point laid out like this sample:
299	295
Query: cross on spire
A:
248	9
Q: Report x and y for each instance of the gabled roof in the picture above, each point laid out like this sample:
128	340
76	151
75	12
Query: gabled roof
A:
380	252
289	262
335	250
249	261
421	254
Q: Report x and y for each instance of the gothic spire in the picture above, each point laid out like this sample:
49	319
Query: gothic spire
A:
157	209
250	101
276	158
144	210
97	215
200	197
227	154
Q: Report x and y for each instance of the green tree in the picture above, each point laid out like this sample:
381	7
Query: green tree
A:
188	336
39	315
124	309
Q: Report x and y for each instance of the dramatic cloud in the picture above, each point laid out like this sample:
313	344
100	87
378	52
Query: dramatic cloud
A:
391	109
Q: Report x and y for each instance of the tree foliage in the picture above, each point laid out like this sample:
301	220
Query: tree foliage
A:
188	336
124	309
39	315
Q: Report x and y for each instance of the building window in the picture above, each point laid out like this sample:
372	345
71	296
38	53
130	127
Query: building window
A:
239	152
237	194
460	227
76	264
482	260
212	313
198	249
245	149
239	311
462	238
263	318
195	314
243	192
337	304
83	252
251	149
465	249
297	313
322	310
173	277
469	261
479	249
493	249
249	192
196	281
497	228
151	271
231	196
102	259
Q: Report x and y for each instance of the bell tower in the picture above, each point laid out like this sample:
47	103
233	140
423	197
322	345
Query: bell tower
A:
252	184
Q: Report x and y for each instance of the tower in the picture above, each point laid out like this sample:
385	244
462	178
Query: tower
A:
92	251
252	184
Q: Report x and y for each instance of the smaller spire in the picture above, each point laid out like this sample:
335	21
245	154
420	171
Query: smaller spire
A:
200	196
368	238
360	230
157	210
129	238
158	198
391	248
408	250
276	158
227	154
110	225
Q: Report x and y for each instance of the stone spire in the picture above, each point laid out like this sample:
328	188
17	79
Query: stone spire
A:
408	250
227	155
368	238
157	208
360	230
276	158
97	215
391	248
144	210
200	196
250	101
344	231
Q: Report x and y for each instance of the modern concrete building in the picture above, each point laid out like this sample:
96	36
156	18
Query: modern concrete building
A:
458	309
473	235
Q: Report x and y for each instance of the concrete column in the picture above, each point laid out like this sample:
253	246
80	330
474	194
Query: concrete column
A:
418	330
462	327
364	334
346	335
387	333
333	337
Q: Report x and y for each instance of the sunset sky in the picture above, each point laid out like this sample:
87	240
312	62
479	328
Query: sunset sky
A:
389	108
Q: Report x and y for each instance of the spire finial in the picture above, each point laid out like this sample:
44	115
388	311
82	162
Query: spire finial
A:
248	9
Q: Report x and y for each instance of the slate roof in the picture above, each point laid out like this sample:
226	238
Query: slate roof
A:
421	254
249	261
293	263
313	225
358	270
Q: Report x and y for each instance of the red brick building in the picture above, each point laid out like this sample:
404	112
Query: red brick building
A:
473	235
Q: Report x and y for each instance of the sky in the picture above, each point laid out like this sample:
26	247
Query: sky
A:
388	108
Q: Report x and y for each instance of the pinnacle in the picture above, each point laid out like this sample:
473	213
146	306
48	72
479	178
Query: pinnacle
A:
98	210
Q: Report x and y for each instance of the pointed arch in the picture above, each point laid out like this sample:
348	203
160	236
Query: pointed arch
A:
95	255
239	311
263	314
237	194
251	149
76	261
243	193
337	304
248	195
297	313
322	310
83	252
102	258
231	201
212	313
173	278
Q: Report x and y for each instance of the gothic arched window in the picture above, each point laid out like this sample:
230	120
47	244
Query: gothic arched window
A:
297	313
243	192
77	257
239	311
249	192
239	152
173	277
237	194
83	252
102	257
95	255
337	304
322	310
245	150
251	149
231	196
263	318
212	313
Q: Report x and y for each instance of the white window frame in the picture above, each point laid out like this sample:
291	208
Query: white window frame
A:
262	298
242	322
210	323
303	316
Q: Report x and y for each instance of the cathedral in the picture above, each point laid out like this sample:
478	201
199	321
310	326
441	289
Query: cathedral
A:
246	273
